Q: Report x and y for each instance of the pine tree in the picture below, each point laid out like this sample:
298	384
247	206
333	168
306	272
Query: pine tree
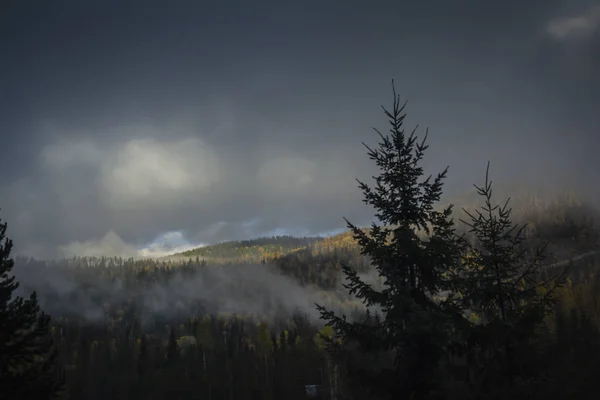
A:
142	356
415	250
502	285
172	354
27	354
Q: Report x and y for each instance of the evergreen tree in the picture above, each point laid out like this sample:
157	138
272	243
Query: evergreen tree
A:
502	286
27	355
142	356
172	353
415	250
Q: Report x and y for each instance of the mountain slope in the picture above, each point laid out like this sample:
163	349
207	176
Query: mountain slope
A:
254	250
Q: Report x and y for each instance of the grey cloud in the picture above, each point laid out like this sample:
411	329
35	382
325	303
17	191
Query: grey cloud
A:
134	172
178	183
149	172
577	26
111	245
216	119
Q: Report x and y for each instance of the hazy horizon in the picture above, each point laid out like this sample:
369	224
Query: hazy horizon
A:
147	129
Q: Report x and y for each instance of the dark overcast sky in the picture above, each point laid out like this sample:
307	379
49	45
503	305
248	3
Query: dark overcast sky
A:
230	119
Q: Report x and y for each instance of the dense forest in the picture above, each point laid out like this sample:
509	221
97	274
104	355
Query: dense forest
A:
114	341
254	250
417	307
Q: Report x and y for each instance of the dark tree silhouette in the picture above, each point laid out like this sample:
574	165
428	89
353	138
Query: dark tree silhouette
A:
415	251
27	355
172	348
502	287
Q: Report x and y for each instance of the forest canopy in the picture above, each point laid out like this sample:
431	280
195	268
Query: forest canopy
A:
429	302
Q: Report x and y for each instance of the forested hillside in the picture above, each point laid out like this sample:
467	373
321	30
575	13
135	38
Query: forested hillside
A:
429	303
254	250
145	328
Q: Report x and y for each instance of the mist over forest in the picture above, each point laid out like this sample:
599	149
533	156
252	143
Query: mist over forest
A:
215	279
231	202
260	296
85	289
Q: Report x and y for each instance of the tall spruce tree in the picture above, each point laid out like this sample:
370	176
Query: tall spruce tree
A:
27	355
415	250
503	288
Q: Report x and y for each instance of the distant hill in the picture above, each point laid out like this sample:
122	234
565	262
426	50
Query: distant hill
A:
254	250
571	226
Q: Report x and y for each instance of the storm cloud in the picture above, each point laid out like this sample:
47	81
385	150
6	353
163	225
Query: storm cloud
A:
123	121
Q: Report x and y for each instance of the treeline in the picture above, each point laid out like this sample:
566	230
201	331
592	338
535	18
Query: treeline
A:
86	286
128	352
253	250
484	315
200	358
115	345
129	355
460	316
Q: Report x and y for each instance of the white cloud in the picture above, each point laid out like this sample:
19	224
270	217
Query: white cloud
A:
110	245
133	173
152	172
167	244
579	26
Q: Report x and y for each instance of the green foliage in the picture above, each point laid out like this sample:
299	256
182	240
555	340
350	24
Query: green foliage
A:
459	316
414	268
241	361
252	250
27	355
123	355
500	284
455	319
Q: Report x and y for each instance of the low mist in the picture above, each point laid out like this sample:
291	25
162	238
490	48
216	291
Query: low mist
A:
88	293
